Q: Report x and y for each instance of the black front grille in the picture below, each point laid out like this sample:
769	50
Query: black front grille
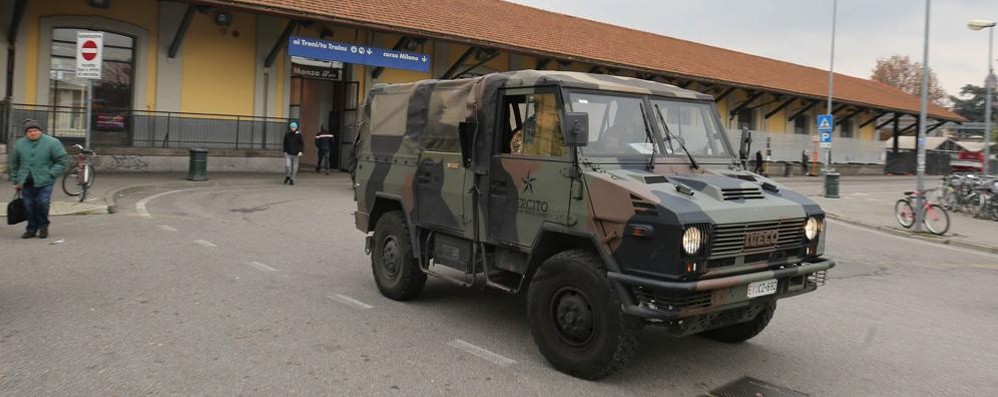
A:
729	240
672	300
749	193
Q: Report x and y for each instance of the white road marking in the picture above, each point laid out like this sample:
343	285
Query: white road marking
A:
205	243
167	228
140	206
261	266
913	240
350	301
481	353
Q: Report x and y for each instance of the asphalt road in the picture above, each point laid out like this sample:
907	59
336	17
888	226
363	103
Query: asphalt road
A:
266	290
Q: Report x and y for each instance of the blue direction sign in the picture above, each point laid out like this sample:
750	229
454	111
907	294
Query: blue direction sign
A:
353	53
825	125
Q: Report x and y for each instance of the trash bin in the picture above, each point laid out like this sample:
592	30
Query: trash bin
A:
198	168
832	185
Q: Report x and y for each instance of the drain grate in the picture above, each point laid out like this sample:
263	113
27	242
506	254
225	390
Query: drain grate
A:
751	387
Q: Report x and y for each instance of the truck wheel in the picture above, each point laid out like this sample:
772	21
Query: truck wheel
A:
396	270
741	332
576	319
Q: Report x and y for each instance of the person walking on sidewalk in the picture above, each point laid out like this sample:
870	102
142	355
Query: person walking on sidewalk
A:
323	142
803	161
36	162
758	162
293	146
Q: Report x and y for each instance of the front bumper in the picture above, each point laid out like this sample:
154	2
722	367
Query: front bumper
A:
672	300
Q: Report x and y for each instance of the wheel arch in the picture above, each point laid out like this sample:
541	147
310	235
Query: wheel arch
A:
385	203
556	238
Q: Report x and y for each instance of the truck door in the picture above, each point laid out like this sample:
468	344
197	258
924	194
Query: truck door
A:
442	182
529	184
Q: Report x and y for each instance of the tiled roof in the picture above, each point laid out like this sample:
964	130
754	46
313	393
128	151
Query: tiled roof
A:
519	28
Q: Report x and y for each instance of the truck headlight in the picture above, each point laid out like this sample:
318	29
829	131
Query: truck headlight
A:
811	228
692	240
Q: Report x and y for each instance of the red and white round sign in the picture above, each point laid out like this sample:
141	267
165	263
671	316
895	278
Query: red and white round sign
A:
88	50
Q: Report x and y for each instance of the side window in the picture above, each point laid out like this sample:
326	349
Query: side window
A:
448	108
388	114
532	125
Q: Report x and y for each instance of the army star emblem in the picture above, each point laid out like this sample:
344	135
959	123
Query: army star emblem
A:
528	183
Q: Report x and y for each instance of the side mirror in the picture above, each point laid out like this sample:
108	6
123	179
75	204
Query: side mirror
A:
576	129
466	133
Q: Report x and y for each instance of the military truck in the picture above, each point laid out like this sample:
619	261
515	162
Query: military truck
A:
613	202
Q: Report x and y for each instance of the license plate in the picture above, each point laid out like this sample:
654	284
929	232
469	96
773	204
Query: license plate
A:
762	288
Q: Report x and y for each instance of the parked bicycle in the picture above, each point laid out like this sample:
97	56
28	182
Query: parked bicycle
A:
80	178
972	194
934	217
987	201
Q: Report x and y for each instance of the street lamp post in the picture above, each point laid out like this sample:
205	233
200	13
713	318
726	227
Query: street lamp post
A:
989	89
922	120
831	88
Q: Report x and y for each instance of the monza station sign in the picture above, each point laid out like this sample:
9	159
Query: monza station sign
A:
358	54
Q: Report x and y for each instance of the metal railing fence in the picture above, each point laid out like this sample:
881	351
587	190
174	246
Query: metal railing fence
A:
788	147
150	129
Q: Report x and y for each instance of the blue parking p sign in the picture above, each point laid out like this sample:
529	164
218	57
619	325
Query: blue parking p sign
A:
825	125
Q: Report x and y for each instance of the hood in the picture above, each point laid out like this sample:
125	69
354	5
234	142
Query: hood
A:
706	196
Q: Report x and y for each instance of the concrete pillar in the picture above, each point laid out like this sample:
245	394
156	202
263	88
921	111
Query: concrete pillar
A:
168	71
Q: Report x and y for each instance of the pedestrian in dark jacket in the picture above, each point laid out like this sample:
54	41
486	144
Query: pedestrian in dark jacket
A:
758	162
803	161
37	160
323	142
293	146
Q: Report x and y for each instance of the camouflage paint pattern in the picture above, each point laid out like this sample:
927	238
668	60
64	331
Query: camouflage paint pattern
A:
408	155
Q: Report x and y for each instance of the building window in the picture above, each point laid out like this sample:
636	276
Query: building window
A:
112	93
801	124
846	129
746	119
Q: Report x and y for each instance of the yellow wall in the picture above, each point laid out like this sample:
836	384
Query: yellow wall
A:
142	13
218	69
868	132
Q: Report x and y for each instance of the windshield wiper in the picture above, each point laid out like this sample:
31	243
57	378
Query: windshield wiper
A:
650	135
668	135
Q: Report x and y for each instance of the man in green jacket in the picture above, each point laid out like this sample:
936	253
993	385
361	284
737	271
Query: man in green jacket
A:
37	161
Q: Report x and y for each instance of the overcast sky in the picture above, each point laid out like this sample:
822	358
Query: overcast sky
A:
799	31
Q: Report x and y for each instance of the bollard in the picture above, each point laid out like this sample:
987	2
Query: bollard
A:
197	170
832	185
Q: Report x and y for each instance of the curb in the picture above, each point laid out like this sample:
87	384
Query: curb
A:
901	233
94	209
111	196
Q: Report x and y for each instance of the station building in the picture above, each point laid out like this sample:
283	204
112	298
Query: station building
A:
218	74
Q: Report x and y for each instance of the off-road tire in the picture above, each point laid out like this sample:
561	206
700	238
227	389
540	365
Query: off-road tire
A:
742	332
613	339
396	270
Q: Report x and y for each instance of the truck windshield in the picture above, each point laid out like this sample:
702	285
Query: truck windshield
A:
615	124
693	122
616	128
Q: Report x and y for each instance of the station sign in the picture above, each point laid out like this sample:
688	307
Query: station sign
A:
325	50
89	54
315	73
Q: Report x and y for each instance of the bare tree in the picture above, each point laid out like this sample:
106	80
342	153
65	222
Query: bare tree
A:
905	74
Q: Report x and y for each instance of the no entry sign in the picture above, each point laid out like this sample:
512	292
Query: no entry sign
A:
89	48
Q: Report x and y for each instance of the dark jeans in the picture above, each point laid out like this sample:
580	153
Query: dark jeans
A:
323	161
36	202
